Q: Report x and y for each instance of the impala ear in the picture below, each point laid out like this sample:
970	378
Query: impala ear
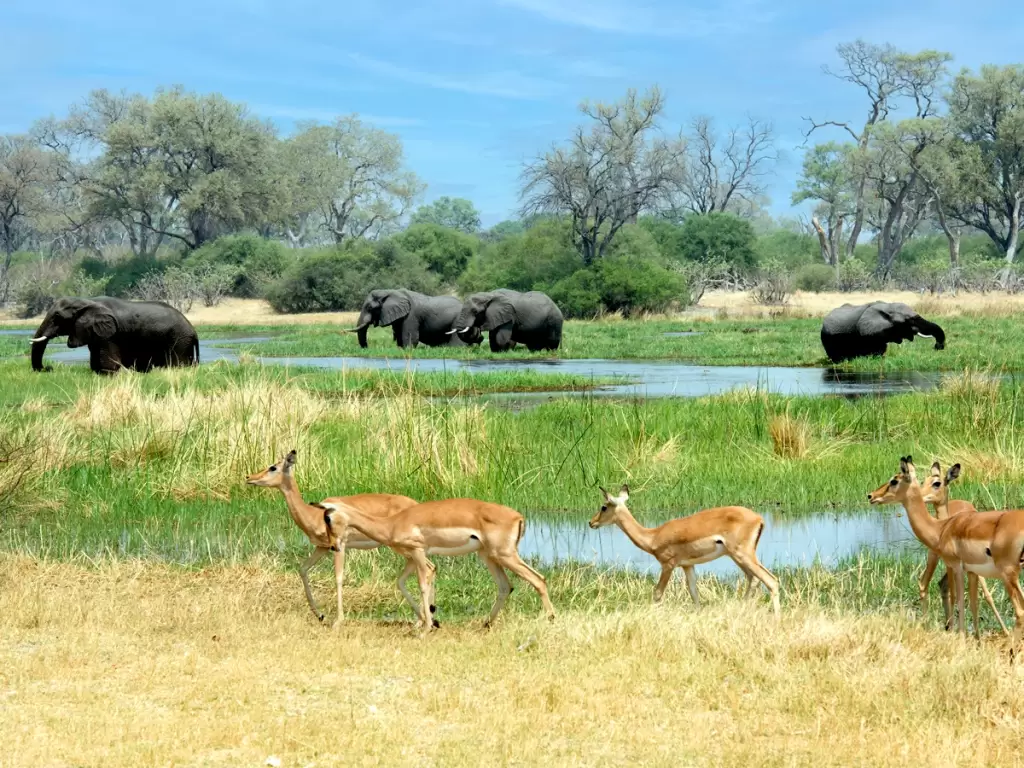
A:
289	461
607	496
624	492
936	470
952	474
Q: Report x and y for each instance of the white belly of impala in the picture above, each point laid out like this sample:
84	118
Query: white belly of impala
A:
470	546
987	569
717	550
452	541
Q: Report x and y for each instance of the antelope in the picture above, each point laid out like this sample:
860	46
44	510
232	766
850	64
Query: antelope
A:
935	489
310	518
985	544
698	538
453	527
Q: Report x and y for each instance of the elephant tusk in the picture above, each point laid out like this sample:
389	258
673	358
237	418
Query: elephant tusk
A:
453	330
925	335
38	339
465	329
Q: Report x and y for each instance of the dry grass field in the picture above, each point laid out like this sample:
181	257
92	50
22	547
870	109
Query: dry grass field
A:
133	664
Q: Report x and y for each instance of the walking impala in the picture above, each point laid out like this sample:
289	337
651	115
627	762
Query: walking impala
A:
985	544
310	518
698	538
453	527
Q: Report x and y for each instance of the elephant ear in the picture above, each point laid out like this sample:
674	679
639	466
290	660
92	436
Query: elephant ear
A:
95	324
499	311
877	320
395	307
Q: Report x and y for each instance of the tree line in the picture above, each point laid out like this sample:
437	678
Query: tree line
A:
136	194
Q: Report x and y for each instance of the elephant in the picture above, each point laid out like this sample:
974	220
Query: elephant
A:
865	330
132	334
414	318
511	317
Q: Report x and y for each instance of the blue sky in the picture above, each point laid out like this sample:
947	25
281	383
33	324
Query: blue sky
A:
475	88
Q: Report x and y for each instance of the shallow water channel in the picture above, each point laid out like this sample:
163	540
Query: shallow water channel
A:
646	378
825	538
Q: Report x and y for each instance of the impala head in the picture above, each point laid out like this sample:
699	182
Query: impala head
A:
935	487
274	475
611	508
895	491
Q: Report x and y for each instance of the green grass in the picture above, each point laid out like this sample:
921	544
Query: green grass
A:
972	342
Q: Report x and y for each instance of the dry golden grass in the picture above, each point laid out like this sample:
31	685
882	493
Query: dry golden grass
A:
789	435
130	664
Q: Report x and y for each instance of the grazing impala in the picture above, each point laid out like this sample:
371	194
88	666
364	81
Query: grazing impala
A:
984	544
698	538
452	527
310	518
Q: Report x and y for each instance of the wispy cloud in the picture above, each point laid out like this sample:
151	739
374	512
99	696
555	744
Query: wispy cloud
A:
506	84
638	18
327	115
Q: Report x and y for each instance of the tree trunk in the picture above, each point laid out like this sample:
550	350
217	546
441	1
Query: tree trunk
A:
5	272
1014	233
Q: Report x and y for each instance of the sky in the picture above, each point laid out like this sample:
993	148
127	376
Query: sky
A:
475	88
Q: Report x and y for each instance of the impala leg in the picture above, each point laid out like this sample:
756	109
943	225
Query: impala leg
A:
339	575
992	605
425	575
504	588
947	599
972	593
691	584
925	580
403	586
1013	590
663	581
515	564
315	557
749	563
958	585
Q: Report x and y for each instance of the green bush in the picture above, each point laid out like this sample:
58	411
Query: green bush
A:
338	279
718	237
815	278
854	275
578	296
254	262
446	252
540	256
123	277
631	284
34	298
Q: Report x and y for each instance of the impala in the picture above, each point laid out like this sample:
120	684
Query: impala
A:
310	518
935	489
453	527
984	544
698	538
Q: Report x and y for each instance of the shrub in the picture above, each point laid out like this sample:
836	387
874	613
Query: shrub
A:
338	279
124	276
815	278
578	296
174	286
34	298
854	275
631	284
718	237
540	256
252	262
446	252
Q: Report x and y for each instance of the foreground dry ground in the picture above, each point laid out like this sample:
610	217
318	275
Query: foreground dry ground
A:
140	664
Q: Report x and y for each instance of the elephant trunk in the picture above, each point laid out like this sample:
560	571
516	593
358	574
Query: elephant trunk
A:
925	328
44	333
361	335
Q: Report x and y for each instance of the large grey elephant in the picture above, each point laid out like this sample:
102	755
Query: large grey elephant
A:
132	334
414	318
511	317
865	330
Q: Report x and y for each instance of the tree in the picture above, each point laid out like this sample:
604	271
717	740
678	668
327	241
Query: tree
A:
351	177
827	178
183	166
887	77
727	176
23	176
608	175
986	112
445	251
452	212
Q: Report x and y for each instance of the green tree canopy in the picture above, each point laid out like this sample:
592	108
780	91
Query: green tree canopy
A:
451	212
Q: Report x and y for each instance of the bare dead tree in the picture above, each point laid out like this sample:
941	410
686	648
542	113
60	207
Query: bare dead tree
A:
720	173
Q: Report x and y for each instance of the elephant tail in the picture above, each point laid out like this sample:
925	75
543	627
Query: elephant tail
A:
195	346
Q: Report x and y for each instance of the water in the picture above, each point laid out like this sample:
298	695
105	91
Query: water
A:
824	538
646	378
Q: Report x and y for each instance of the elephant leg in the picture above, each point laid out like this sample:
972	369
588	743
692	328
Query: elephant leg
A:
396	332
501	339
410	335
104	359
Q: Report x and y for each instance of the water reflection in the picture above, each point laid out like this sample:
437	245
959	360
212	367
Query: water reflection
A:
785	542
